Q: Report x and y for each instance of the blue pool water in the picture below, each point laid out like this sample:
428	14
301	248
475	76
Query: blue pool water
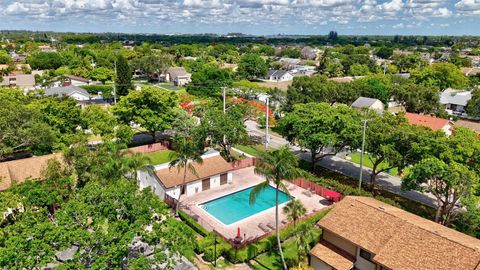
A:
235	206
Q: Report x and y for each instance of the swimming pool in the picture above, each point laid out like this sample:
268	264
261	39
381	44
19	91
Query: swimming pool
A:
235	206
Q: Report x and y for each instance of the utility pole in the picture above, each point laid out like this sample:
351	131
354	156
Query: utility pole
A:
224	111
266	125
361	155
114	84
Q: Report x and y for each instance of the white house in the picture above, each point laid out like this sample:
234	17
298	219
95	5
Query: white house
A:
75	92
212	173
368	103
455	101
279	76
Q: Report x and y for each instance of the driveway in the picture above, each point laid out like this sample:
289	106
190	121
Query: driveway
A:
348	168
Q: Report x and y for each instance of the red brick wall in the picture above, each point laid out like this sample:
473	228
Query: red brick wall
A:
151	147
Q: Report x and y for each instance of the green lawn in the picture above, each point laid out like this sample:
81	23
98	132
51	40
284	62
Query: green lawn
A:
355	158
250	149
159	157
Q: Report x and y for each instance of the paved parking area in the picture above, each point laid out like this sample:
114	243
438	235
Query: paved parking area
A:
249	227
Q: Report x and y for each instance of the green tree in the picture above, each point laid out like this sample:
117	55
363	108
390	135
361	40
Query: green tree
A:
276	166
224	129
384	52
450	183
98	120
45	60
102	74
252	66
304	235
473	105
21	126
359	70
123	77
153	63
294	210
209	80
391	140
151	108
187	153
440	76
5	57
417	98
323	129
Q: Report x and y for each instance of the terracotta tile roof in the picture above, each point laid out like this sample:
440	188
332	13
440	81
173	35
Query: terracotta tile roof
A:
16	171
332	256
398	239
210	166
425	120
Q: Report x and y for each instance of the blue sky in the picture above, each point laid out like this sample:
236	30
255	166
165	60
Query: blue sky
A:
422	17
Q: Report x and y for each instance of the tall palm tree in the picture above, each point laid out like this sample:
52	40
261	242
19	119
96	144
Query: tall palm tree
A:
186	154
304	236
294	210
138	161
276	166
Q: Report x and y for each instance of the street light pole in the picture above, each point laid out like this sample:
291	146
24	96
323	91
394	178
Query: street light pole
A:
266	125
361	155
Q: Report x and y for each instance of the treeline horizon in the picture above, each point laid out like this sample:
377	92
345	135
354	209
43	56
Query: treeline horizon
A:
331	38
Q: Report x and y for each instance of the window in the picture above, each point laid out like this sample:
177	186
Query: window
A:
365	254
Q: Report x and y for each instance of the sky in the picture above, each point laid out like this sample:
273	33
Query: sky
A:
260	17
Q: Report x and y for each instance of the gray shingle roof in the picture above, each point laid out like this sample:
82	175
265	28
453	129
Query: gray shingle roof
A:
276	73
364	102
452	96
66	91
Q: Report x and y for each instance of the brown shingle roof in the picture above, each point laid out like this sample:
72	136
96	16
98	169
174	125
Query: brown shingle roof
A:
401	240
16	171
332	256
211	166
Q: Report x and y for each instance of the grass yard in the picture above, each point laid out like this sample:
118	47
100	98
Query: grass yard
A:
159	157
355	158
250	149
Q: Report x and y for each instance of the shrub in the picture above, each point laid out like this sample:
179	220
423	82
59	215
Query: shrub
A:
192	223
94	89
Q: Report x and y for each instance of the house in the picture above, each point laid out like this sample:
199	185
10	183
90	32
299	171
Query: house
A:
455	101
303	71
17	171
362	103
75	92
178	75
434	123
75	81
366	234
279	76
23	81
213	172
308	53
46	48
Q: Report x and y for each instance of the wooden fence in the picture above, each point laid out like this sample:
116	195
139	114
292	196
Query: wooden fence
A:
148	148
243	163
317	189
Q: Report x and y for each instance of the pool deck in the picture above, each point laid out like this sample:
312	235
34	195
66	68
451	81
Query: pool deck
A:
242	179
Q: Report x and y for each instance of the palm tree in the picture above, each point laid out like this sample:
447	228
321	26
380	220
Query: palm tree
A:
186	154
305	235
275	166
138	161
294	210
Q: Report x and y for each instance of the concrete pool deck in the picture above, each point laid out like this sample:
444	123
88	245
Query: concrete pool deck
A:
249	226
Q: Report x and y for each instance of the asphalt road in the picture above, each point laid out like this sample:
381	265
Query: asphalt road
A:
348	168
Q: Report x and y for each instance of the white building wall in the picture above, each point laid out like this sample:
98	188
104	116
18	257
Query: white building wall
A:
193	188
362	264
340	242
146	180
78	83
229	177
174	192
317	264
215	181
77	96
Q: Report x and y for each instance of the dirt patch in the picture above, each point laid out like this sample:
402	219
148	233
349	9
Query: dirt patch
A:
469	124
280	85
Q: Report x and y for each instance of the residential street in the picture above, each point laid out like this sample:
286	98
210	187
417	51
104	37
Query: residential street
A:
348	168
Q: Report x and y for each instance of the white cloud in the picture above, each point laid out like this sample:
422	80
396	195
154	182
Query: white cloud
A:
468	7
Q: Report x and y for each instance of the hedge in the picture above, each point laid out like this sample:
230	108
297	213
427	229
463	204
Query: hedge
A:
251	251
192	223
94	89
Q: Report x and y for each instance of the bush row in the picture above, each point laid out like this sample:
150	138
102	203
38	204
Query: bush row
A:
192	223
